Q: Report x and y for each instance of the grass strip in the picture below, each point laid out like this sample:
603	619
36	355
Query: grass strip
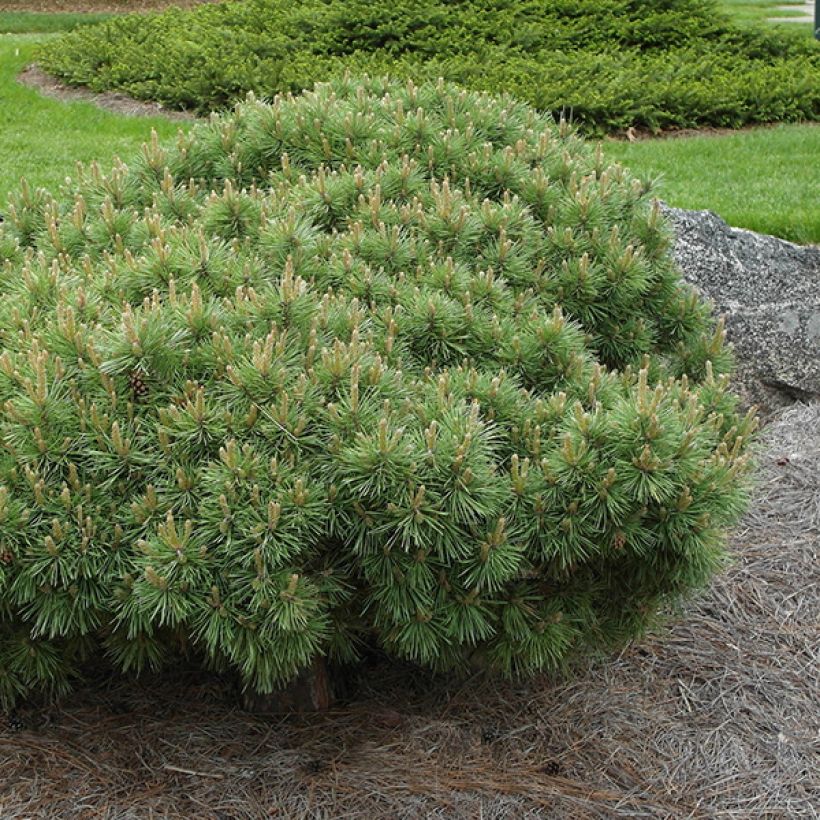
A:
42	139
764	179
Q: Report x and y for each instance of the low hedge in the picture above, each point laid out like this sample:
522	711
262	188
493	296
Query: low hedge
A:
609	64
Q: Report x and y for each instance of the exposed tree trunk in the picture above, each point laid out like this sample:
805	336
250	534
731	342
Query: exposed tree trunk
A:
310	691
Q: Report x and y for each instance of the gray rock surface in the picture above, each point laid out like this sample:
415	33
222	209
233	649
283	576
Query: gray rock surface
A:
769	292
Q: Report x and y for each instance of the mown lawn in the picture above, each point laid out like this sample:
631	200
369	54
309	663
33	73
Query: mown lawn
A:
42	139
765	179
759	11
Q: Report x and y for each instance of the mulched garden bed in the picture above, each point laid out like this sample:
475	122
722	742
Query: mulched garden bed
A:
715	718
34	77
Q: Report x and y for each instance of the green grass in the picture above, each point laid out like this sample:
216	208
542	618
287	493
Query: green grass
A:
759	11
42	139
15	22
765	179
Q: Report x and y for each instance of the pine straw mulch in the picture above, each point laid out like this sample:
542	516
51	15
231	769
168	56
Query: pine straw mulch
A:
716	718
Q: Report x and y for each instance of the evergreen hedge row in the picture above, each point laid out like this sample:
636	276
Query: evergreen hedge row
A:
378	364
609	64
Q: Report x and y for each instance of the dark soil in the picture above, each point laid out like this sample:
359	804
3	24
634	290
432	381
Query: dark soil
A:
34	77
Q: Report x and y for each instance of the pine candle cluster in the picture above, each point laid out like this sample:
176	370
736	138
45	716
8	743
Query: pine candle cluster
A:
374	364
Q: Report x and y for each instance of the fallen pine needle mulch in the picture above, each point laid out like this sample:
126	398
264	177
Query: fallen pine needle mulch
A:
715	718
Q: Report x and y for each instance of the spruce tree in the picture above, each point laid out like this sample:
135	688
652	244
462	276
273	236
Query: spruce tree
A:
377	364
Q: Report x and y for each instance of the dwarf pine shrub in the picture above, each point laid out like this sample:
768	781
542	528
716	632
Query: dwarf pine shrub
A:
378	364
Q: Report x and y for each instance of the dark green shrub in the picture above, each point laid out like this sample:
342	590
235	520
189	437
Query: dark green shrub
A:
377	363
611	63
